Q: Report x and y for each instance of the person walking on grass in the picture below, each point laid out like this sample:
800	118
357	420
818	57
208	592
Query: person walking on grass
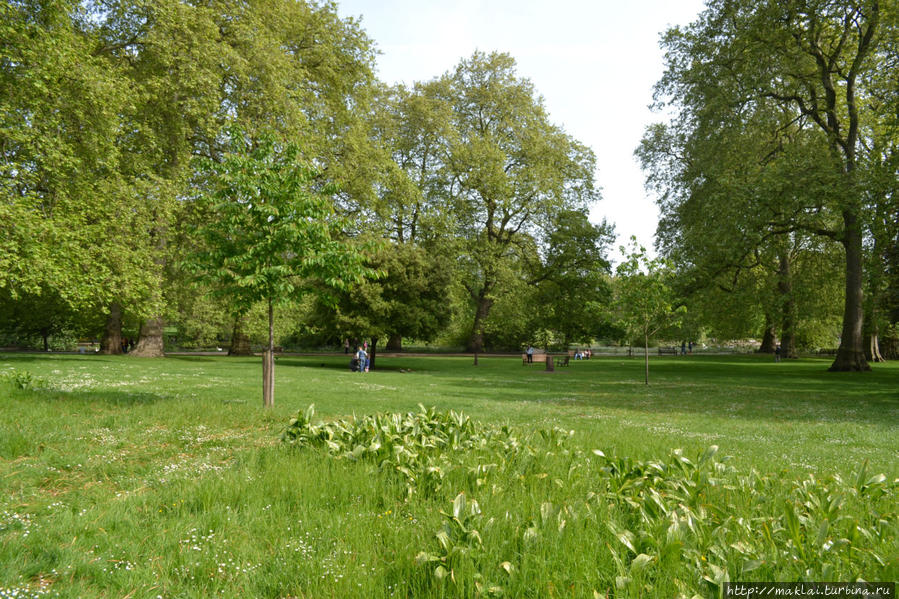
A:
362	356
530	353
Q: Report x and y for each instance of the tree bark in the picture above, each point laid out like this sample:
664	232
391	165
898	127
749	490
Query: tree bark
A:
788	305
395	343
268	375
872	348
889	348
240	343
872	334
111	343
483	305
150	343
646	359
268	363
769	342
851	353
374	353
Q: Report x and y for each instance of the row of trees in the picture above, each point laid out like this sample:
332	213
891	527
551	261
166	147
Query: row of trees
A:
179	162
777	174
210	167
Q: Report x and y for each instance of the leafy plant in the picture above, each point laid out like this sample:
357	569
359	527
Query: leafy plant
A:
24	380
422	446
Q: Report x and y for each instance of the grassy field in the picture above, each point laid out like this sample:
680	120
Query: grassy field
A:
165	478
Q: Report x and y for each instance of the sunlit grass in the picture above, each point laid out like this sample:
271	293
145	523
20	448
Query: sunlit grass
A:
148	478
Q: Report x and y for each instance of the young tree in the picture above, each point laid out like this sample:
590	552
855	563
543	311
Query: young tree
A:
270	233
644	302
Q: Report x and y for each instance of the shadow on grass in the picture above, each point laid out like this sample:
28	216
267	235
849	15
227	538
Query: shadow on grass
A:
196	359
748	388
343	364
93	397
27	358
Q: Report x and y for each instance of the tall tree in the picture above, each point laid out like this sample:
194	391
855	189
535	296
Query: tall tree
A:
67	208
572	278
408	299
508	172
809	58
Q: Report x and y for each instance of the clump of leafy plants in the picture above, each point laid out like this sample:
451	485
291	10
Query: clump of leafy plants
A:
422	446
23	380
677	525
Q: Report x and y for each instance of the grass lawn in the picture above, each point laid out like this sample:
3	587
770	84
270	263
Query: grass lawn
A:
166	478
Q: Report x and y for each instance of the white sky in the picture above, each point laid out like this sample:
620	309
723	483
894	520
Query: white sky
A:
593	61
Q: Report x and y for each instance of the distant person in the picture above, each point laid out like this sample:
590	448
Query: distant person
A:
777	352
346	346
683	348
588	353
362	356
690	347
530	353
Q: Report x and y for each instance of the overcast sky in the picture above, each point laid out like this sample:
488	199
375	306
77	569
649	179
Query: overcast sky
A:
593	61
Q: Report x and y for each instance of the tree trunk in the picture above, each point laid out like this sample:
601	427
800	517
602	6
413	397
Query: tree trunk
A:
872	348
395	343
872	335
769	342
483	305
889	348
646	359
788	305
851	353
374	353
268	363
240	343
111	343
149	344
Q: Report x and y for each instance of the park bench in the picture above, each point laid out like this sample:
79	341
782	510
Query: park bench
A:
538	358
563	360
668	350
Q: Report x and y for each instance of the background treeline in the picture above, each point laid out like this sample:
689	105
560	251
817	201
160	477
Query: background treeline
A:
470	203
477	201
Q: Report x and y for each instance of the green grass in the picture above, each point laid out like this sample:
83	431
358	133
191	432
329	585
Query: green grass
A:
148	478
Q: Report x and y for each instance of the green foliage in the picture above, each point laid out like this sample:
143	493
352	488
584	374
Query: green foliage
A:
503	173
774	138
423	446
644	301
697	518
23	380
410	298
269	232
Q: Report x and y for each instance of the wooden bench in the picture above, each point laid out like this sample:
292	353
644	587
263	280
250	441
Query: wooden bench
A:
538	358
668	350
